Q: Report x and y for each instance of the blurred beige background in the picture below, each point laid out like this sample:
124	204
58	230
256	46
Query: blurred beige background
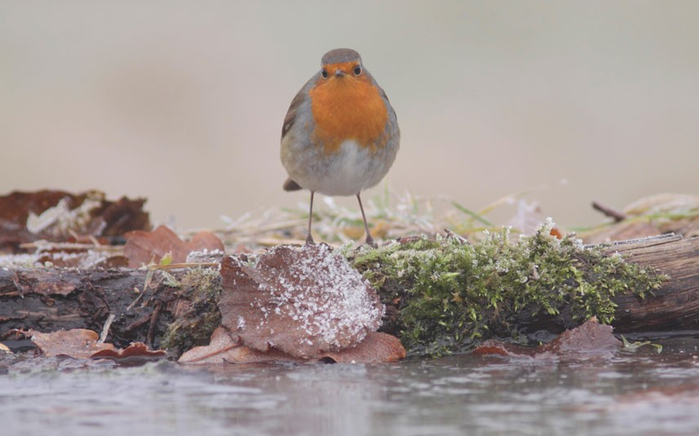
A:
182	102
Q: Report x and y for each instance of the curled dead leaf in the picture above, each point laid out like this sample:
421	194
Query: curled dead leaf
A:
304	301
375	348
221	343
227	348
134	350
84	344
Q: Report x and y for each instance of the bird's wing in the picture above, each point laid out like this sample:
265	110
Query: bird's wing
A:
291	113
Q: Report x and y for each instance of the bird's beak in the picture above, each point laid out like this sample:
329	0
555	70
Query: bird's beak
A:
339	73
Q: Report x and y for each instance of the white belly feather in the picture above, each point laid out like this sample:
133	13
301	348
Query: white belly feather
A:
349	171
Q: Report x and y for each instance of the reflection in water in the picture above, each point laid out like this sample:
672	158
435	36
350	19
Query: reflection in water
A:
641	393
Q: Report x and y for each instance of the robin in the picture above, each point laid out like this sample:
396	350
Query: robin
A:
340	135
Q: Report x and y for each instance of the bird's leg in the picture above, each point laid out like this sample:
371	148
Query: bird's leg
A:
309	238
369	239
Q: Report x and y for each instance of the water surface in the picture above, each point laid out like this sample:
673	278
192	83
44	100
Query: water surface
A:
631	393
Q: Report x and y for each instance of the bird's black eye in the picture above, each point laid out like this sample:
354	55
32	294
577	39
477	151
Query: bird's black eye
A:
357	70
324	73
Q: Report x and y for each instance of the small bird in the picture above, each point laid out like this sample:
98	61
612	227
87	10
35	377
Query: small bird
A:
340	135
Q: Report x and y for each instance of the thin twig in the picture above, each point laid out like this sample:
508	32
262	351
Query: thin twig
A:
153	323
137	324
105	329
616	215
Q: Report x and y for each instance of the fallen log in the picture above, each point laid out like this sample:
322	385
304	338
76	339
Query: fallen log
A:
52	298
673	307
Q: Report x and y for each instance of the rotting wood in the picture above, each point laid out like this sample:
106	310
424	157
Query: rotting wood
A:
54	299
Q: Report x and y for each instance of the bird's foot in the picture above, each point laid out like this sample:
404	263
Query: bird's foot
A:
370	241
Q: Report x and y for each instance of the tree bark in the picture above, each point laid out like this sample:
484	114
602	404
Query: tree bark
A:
53	299
673	307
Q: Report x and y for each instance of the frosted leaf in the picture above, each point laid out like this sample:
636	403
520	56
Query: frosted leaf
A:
303	301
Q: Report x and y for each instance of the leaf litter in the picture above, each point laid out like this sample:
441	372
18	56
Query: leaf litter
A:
59	216
86	344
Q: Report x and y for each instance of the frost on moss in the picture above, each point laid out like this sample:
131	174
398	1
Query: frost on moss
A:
451	295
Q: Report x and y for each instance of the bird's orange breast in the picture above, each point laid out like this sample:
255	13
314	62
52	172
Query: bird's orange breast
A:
347	108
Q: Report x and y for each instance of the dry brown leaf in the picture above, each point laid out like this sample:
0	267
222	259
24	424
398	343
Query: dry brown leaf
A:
588	339
221	343
304	301
134	350
375	348
226	348
143	247
84	344
77	343
243	354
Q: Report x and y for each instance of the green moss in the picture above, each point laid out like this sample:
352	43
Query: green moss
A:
201	289
450	295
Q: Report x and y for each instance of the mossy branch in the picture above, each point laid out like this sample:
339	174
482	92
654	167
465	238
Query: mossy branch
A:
443	295
448	295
